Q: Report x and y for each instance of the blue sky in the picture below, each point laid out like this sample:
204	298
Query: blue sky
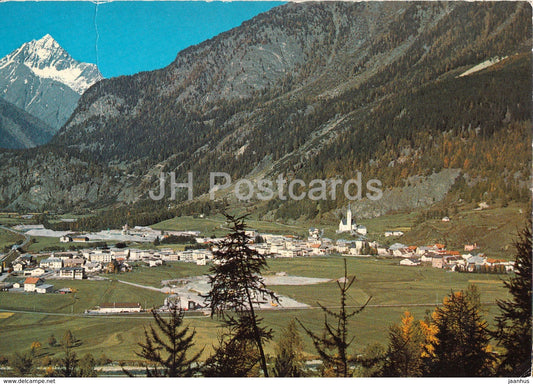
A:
132	36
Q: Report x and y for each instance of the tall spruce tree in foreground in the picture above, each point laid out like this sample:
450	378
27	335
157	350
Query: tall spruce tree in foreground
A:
288	361
332	346
514	323
236	355
459	346
167	353
237	287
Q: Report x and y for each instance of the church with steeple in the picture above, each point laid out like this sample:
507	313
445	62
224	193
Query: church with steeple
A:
346	224
349	225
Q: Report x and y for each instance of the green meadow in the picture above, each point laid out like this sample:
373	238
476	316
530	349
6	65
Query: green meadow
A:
393	288
8	238
216	225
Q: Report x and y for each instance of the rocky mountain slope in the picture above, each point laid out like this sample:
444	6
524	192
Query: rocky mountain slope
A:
44	80
310	90
19	129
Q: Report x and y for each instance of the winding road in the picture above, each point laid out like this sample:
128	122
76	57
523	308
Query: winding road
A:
26	237
11	252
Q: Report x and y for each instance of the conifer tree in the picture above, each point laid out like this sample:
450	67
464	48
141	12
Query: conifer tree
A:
68	363
460	341
332	346
87	366
52	341
167	353
237	287
236	355
514	322
372	360
288	361
23	364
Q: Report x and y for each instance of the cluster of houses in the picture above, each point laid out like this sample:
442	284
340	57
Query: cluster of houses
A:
289	246
31	284
438	256
81	264
61	265
77	265
435	255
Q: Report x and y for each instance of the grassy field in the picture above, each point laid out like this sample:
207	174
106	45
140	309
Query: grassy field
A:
145	275
393	288
8	238
494	230
383	279
88	294
42	243
9	219
216	225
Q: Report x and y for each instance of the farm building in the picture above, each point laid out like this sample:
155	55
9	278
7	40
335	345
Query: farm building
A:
80	239
44	288
119	307
31	283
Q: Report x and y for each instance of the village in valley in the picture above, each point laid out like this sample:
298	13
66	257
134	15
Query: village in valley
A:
31	273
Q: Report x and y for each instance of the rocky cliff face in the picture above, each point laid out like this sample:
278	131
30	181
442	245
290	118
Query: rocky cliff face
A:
306	89
41	78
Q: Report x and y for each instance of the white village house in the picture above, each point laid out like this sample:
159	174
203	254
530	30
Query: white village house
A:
74	273
65	239
51	263
410	262
34	271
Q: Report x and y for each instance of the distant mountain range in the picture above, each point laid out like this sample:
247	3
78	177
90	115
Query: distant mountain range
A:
42	79
308	90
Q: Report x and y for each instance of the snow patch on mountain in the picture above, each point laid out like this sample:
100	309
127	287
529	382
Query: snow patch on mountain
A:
47	59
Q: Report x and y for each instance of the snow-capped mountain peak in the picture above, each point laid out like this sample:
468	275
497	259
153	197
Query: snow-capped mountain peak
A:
41	78
47	59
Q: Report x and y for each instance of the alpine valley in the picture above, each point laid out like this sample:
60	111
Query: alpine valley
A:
432	99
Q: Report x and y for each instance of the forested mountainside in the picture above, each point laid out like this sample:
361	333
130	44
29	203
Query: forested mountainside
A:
19	129
310	90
